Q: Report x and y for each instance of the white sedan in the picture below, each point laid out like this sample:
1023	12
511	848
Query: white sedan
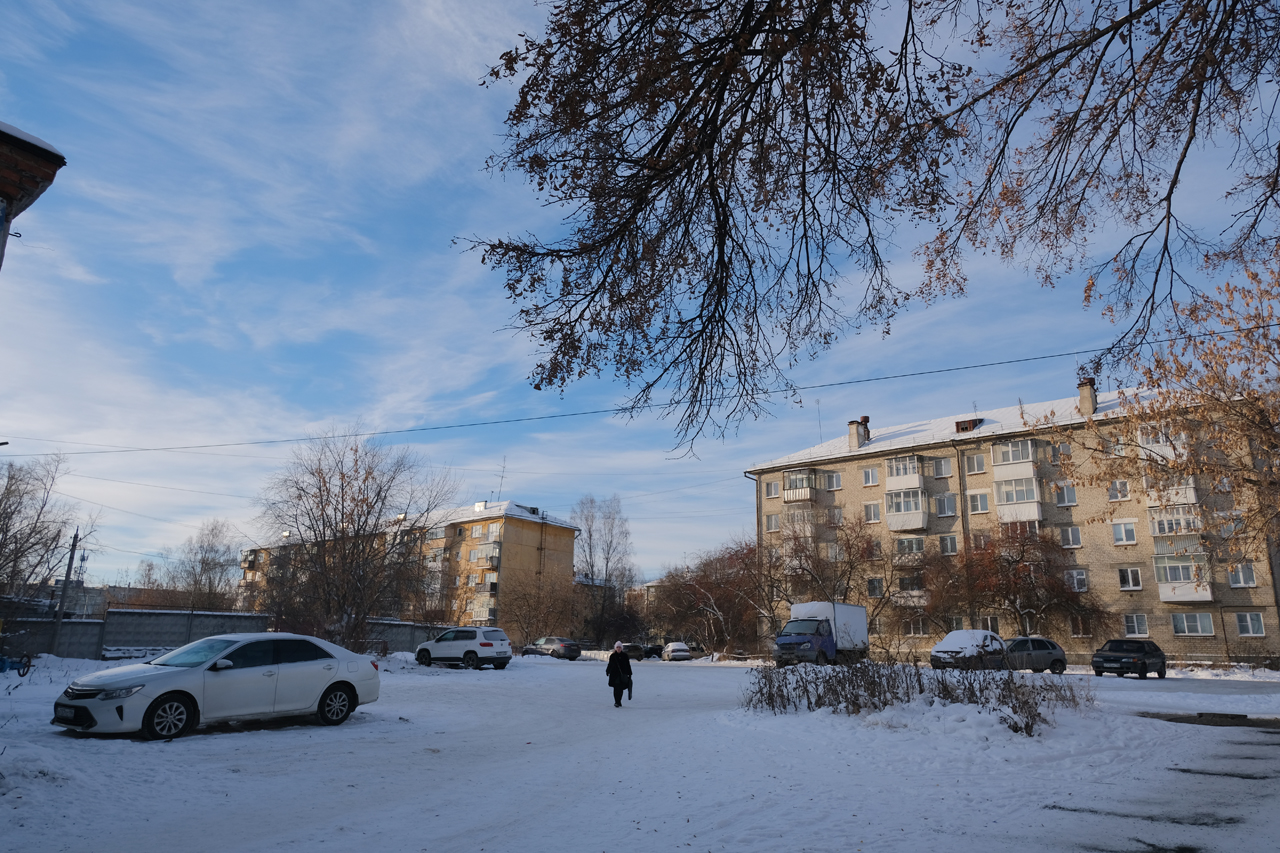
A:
222	678
676	651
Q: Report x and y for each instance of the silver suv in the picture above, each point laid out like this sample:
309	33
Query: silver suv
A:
468	647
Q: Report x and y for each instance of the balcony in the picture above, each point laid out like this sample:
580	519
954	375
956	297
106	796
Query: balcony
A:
490	587
1023	511
805	494
1014	470
1187	592
899	521
1173	496
491	561
915	598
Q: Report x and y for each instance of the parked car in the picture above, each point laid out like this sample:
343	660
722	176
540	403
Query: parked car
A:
676	651
1136	656
556	647
969	649
635	651
1036	654
653	651
468	647
218	679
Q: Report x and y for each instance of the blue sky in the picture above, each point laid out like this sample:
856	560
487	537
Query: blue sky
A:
252	239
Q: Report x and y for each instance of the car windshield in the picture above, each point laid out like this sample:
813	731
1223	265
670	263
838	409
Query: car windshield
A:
194	654
800	627
1122	646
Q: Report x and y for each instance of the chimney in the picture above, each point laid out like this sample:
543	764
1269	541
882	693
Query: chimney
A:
1088	397
481	505
859	432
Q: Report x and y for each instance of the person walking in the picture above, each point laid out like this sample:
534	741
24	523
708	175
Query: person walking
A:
619	672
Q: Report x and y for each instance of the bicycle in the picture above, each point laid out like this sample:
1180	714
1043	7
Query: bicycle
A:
21	664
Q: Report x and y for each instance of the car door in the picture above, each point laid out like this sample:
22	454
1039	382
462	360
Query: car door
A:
445	647
1019	652
464	641
305	670
1041	654
247	688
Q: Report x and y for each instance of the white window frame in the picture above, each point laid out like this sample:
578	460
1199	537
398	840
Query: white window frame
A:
835	551
910	500
1128	576
871	512
1023	490
916	547
1242	576
835	516
477	531
1007	452
944	505
1077	579
1246	626
875	587
902	466
979	502
772	523
871	476
773	489
975	463
1176	520
980	539
1069	537
948	545
915	627
1058	452
833	481
1079	626
1135	625
1190	568
1124	532
1118	491
1192	624
941	468
990	623
954	623
1064	493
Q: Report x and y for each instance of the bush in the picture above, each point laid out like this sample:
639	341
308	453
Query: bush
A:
1020	701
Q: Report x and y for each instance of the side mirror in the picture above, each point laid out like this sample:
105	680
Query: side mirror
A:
221	665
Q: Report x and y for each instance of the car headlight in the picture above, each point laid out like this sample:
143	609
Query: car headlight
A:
121	692
806	646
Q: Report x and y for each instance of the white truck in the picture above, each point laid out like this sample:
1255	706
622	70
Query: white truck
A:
822	632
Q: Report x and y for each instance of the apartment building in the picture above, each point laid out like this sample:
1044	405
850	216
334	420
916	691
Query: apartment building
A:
465	554
956	484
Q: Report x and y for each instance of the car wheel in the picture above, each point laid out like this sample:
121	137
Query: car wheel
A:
170	716
1058	667
821	659
471	660
335	705
1098	672
555	654
1037	670
24	666
1160	671
1142	671
500	665
424	657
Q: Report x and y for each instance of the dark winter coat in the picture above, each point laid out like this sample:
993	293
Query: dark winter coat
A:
619	670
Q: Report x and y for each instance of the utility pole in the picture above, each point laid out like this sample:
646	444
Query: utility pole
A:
62	599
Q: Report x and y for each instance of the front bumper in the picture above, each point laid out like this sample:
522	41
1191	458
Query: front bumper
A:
99	717
784	656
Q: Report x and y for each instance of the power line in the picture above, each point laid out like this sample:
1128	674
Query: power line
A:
157	486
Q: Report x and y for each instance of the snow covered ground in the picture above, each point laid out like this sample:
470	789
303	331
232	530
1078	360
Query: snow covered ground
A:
535	758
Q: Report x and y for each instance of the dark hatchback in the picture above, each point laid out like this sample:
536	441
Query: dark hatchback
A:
1123	656
556	647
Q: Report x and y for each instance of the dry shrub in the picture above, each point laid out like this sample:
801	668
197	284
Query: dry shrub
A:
1021	702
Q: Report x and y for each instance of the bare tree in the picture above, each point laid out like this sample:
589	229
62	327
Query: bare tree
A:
206	568
345	508
727	169
36	528
537	604
602	562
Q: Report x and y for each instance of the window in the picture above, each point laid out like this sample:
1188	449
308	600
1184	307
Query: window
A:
870	476
953	623
875	626
875	550
490	577
1077	579
1019	529
875	587
1059	453
772	490
771	522
1130	578
833	480
473	554
835	551
947	545
494	527
975	464
1241	574
1070	537
990	623
477	531
911	545
1065	494
1080	627
1113	447
915	627
1249	624
835	516
1118	490
913	582
902	466
800	517
1174	520
1124	533
1229	524
1192	624
1012	451
978	503
871	513
1135	624
942	467
798	480
1016	491
1178	569
945	504
981	540
908	501
1159	435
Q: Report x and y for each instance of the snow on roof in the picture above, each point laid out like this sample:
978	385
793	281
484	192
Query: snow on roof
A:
501	509
28	138
1011	419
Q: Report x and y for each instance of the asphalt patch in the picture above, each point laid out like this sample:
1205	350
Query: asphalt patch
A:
1269	725
1227	773
1209	820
